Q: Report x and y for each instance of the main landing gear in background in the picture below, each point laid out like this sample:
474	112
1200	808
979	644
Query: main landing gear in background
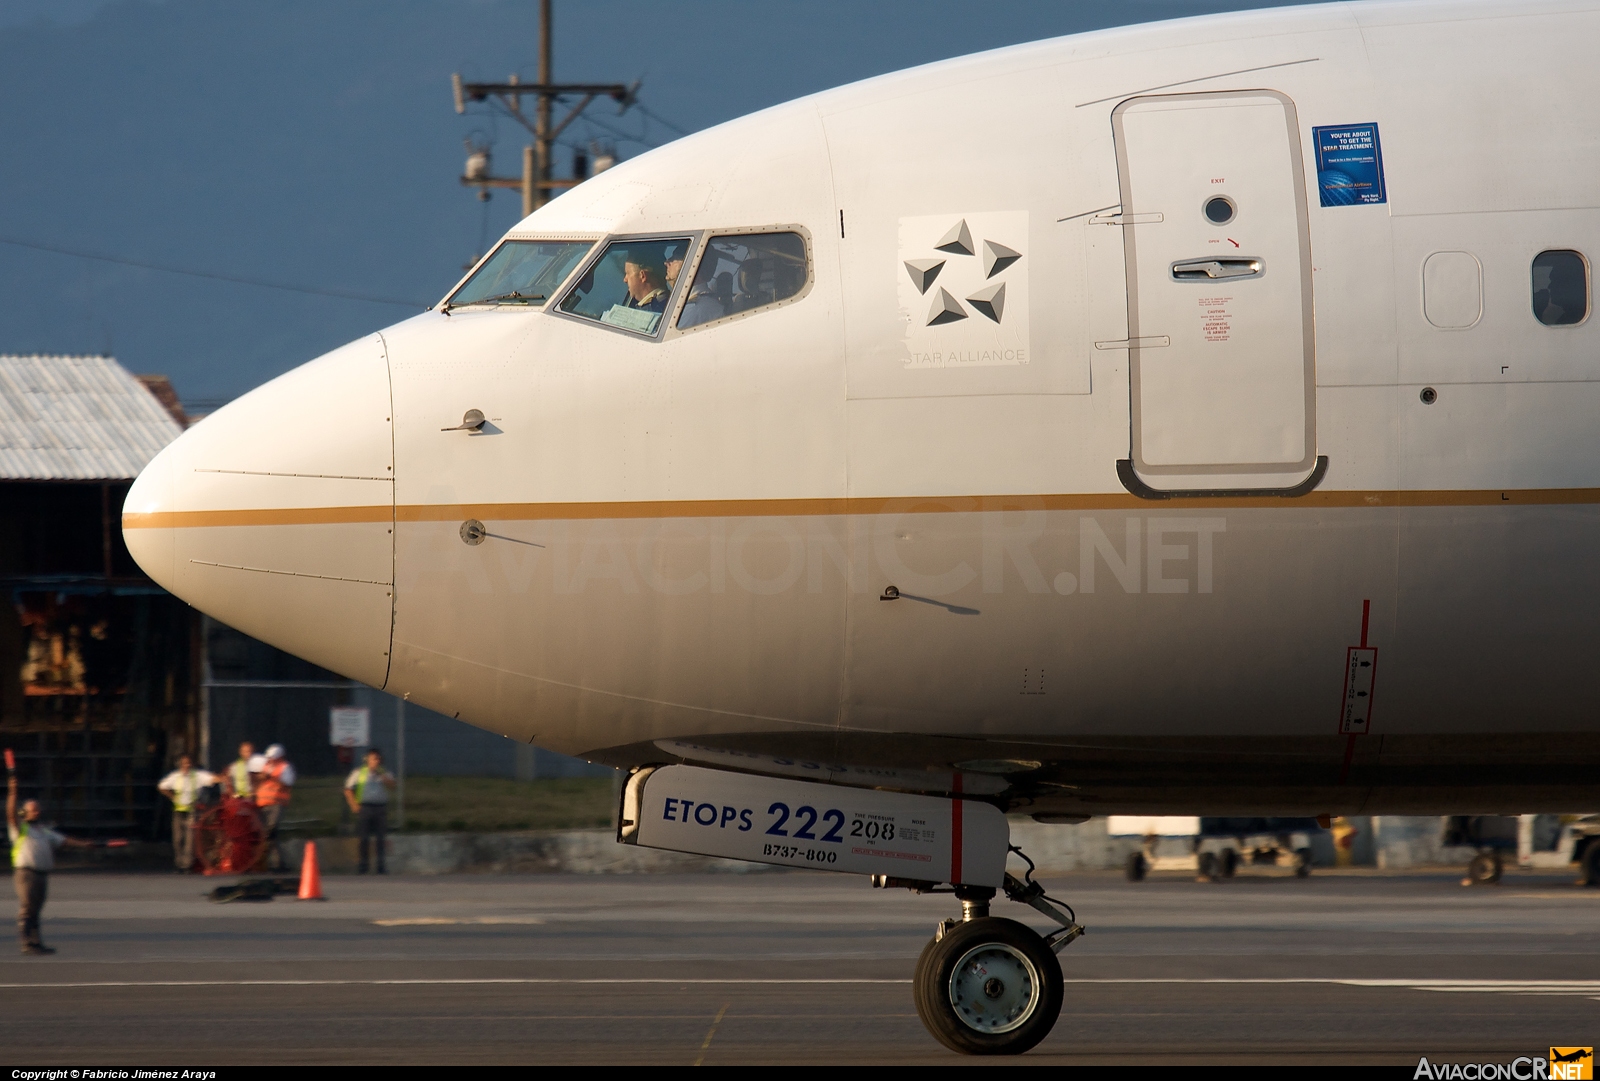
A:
986	985
1484	869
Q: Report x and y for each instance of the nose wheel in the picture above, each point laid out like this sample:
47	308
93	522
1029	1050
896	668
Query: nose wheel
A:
988	986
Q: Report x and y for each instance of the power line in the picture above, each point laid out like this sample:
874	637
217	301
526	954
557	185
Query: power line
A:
497	109
658	118
626	136
258	282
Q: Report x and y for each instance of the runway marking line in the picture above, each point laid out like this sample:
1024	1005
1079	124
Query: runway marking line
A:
425	983
1473	984
701	1061
439	921
1512	987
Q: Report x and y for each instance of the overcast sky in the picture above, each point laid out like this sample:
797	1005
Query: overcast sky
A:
313	143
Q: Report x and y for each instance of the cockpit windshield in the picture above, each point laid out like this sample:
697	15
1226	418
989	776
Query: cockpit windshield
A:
631	285
522	272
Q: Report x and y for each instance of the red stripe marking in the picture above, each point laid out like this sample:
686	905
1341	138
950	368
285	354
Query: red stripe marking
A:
955	833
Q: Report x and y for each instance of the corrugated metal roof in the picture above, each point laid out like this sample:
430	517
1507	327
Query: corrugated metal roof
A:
77	418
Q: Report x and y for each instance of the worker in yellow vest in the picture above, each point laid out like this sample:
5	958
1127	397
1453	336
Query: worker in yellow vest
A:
366	790
33	856
182	786
237	781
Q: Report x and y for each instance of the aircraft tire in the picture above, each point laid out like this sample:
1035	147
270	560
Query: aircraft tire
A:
1484	870
991	986
1136	867
1591	863
918	982
1302	862
1209	869
1229	862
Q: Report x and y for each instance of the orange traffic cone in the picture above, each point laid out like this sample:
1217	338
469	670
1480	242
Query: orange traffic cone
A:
310	875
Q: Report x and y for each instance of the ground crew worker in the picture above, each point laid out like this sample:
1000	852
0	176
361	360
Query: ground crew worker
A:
33	855
237	780
182	786
367	792
273	790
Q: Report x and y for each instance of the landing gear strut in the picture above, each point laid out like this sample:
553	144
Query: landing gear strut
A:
991	986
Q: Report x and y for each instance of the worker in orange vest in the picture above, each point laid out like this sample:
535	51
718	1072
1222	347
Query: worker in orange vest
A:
273	790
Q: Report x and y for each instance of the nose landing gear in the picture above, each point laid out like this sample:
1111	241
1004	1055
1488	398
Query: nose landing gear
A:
991	986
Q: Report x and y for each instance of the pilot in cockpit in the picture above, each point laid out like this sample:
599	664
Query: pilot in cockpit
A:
674	258
645	276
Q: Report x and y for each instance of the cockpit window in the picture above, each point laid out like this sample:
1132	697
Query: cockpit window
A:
521	272
744	272
629	286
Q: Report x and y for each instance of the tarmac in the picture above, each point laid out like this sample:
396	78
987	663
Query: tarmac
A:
1346	967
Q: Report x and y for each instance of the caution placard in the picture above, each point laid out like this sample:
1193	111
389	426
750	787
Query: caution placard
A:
1360	676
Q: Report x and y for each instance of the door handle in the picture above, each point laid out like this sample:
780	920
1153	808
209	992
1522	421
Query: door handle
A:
471	421
1152	341
1120	218
1202	270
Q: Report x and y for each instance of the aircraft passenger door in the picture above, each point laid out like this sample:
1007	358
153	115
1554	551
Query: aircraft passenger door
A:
1217	248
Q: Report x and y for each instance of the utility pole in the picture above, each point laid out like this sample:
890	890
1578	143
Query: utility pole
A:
533	195
538	179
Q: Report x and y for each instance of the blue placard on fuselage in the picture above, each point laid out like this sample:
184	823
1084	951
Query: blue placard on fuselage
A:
1349	164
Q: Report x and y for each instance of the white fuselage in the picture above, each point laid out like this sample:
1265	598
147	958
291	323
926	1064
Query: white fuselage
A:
685	539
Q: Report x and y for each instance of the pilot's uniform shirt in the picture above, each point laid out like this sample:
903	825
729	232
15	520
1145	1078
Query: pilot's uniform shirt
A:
655	301
702	307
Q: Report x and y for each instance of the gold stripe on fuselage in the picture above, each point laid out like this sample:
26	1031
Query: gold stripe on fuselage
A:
775	508
189	519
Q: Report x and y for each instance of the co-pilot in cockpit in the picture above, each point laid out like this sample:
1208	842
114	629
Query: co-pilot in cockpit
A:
766	267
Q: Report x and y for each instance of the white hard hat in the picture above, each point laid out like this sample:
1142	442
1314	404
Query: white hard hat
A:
257	763
275	751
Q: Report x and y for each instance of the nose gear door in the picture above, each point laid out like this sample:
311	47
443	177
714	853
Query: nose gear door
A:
1218	255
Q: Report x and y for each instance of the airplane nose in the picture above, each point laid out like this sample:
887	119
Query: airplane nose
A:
275	515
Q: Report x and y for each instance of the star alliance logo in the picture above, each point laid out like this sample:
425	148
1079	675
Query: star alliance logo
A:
963	287
988	301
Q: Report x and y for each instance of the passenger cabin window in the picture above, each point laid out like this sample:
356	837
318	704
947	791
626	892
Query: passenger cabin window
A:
521	272
630	286
1560	288
743	273
1452	289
